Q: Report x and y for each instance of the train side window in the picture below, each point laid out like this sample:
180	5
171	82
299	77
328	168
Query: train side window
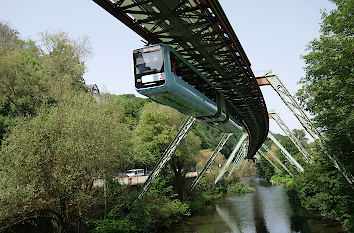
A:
173	63
188	75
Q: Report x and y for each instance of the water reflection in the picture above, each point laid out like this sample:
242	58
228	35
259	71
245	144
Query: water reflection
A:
223	213
276	209
265	211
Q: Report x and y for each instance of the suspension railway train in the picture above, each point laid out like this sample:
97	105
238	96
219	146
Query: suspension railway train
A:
167	78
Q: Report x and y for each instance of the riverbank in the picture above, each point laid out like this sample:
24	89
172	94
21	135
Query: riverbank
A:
268	209
298	201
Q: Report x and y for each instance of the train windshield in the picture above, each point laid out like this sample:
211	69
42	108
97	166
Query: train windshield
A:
148	61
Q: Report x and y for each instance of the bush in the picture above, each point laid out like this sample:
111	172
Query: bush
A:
158	209
203	195
240	188
285	180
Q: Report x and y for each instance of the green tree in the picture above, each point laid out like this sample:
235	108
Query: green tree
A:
157	128
48	163
327	92
265	170
31	75
8	38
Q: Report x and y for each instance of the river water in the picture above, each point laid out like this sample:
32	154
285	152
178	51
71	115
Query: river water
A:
266	210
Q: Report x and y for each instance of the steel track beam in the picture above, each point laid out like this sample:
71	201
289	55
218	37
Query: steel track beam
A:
191	22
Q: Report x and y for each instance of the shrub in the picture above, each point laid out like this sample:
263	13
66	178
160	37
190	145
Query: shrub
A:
240	188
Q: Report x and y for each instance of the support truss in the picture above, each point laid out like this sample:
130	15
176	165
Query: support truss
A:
183	132
211	159
286	153
244	165
202	34
242	152
276	159
288	132
269	160
231	157
292	104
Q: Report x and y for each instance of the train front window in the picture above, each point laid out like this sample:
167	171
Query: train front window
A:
148	61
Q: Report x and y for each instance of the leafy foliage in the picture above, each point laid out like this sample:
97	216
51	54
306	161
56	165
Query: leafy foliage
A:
159	209
50	162
240	188
283	179
327	92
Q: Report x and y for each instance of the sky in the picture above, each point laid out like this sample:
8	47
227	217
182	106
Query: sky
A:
273	33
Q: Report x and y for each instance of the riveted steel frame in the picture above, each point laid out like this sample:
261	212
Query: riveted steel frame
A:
288	132
276	159
182	133
201	32
211	159
294	106
231	157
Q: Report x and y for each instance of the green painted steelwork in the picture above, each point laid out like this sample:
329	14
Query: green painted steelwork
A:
200	31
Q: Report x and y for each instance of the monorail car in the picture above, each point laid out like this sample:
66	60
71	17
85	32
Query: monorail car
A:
167	78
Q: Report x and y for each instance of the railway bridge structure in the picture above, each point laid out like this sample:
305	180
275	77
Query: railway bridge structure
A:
200	31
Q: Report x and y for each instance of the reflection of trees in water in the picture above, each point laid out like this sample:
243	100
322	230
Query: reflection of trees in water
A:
276	209
244	208
230	222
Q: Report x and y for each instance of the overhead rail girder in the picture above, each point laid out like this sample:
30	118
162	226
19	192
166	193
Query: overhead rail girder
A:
200	30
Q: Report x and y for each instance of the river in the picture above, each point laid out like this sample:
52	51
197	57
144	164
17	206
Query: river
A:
268	209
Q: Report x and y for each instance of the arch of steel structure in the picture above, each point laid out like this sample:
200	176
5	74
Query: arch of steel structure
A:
200	31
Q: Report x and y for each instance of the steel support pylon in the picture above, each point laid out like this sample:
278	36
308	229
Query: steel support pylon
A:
244	165
286	153
231	157
276	159
242	152
269	160
211	159
293	105
288	132
183	132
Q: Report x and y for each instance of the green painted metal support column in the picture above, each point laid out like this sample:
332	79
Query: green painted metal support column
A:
276	159
183	132
211	159
231	157
286	153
